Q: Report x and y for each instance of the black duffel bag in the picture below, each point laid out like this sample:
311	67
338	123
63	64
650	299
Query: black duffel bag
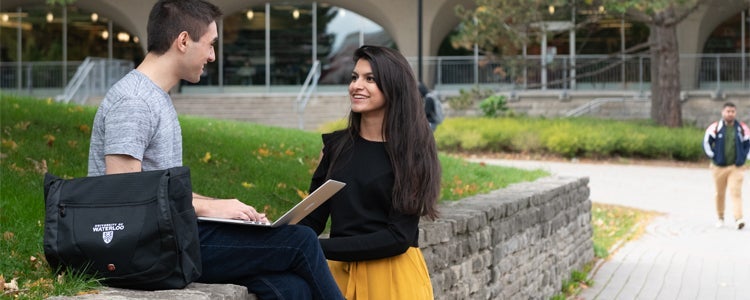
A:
134	230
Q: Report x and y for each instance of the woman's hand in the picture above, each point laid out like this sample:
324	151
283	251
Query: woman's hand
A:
226	208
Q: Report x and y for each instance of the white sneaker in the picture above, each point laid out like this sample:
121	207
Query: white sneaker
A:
719	223
740	224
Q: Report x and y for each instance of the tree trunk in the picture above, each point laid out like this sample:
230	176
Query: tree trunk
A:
666	108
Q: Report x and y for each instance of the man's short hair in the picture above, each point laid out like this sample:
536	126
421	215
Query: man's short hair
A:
168	18
729	104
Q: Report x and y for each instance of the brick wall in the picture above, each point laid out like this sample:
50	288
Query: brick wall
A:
520	242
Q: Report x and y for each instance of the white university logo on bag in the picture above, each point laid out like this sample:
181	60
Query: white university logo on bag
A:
108	230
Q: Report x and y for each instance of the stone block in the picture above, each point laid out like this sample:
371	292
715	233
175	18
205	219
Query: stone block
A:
194	291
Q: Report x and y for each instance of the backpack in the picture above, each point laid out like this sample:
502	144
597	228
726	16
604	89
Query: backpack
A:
433	108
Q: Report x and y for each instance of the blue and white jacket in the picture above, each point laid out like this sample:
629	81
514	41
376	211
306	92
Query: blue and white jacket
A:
713	143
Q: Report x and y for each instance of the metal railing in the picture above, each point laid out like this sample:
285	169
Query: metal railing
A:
74	86
598	102
92	77
39	79
308	87
707	72
592	72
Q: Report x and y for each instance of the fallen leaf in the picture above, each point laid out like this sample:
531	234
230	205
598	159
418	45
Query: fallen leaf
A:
91	292
22	125
43	283
9	144
39	166
264	152
84	128
206	158
50	139
12	286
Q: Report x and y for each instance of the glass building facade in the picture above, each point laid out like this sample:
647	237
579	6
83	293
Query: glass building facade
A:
276	44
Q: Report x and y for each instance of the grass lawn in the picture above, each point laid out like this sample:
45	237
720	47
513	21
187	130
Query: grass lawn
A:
267	167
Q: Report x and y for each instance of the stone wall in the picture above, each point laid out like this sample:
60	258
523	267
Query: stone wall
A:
520	242
699	108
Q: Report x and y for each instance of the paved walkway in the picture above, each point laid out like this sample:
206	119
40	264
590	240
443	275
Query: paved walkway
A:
681	255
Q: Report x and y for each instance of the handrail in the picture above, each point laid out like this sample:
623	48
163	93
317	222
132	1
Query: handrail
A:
78	79
596	103
93	77
310	84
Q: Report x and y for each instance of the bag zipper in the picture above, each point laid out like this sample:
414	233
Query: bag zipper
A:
63	205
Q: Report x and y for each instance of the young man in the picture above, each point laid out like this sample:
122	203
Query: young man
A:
727	142
136	129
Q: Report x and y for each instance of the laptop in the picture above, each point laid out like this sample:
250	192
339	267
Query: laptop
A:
297	213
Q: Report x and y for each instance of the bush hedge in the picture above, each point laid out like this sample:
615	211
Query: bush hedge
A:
570	137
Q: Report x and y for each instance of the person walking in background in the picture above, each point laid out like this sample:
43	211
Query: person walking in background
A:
727	143
432	106
388	159
136	129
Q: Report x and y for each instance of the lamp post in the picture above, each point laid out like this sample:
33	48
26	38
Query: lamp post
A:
419	40
19	52
65	45
110	37
268	46
314	33
743	32
572	46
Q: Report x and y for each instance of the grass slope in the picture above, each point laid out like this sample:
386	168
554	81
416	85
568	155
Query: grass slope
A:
267	167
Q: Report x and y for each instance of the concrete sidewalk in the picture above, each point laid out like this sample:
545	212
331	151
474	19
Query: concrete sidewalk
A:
682	255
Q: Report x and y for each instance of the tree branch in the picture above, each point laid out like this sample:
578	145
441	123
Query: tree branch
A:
684	14
595	72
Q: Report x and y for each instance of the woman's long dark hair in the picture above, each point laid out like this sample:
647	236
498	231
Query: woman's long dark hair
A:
409	140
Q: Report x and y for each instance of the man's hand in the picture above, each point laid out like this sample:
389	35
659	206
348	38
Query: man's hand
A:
226	208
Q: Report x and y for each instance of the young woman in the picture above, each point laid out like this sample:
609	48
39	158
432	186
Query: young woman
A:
388	159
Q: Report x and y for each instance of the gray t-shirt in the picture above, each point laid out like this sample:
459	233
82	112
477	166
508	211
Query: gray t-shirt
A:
136	118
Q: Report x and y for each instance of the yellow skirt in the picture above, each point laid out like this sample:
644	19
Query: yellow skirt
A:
400	277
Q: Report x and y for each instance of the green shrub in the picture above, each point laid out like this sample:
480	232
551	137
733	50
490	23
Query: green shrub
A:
596	143
571	137
473	140
564	143
466	99
334	125
493	105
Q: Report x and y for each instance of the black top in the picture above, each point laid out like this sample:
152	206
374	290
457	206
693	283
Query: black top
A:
364	225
